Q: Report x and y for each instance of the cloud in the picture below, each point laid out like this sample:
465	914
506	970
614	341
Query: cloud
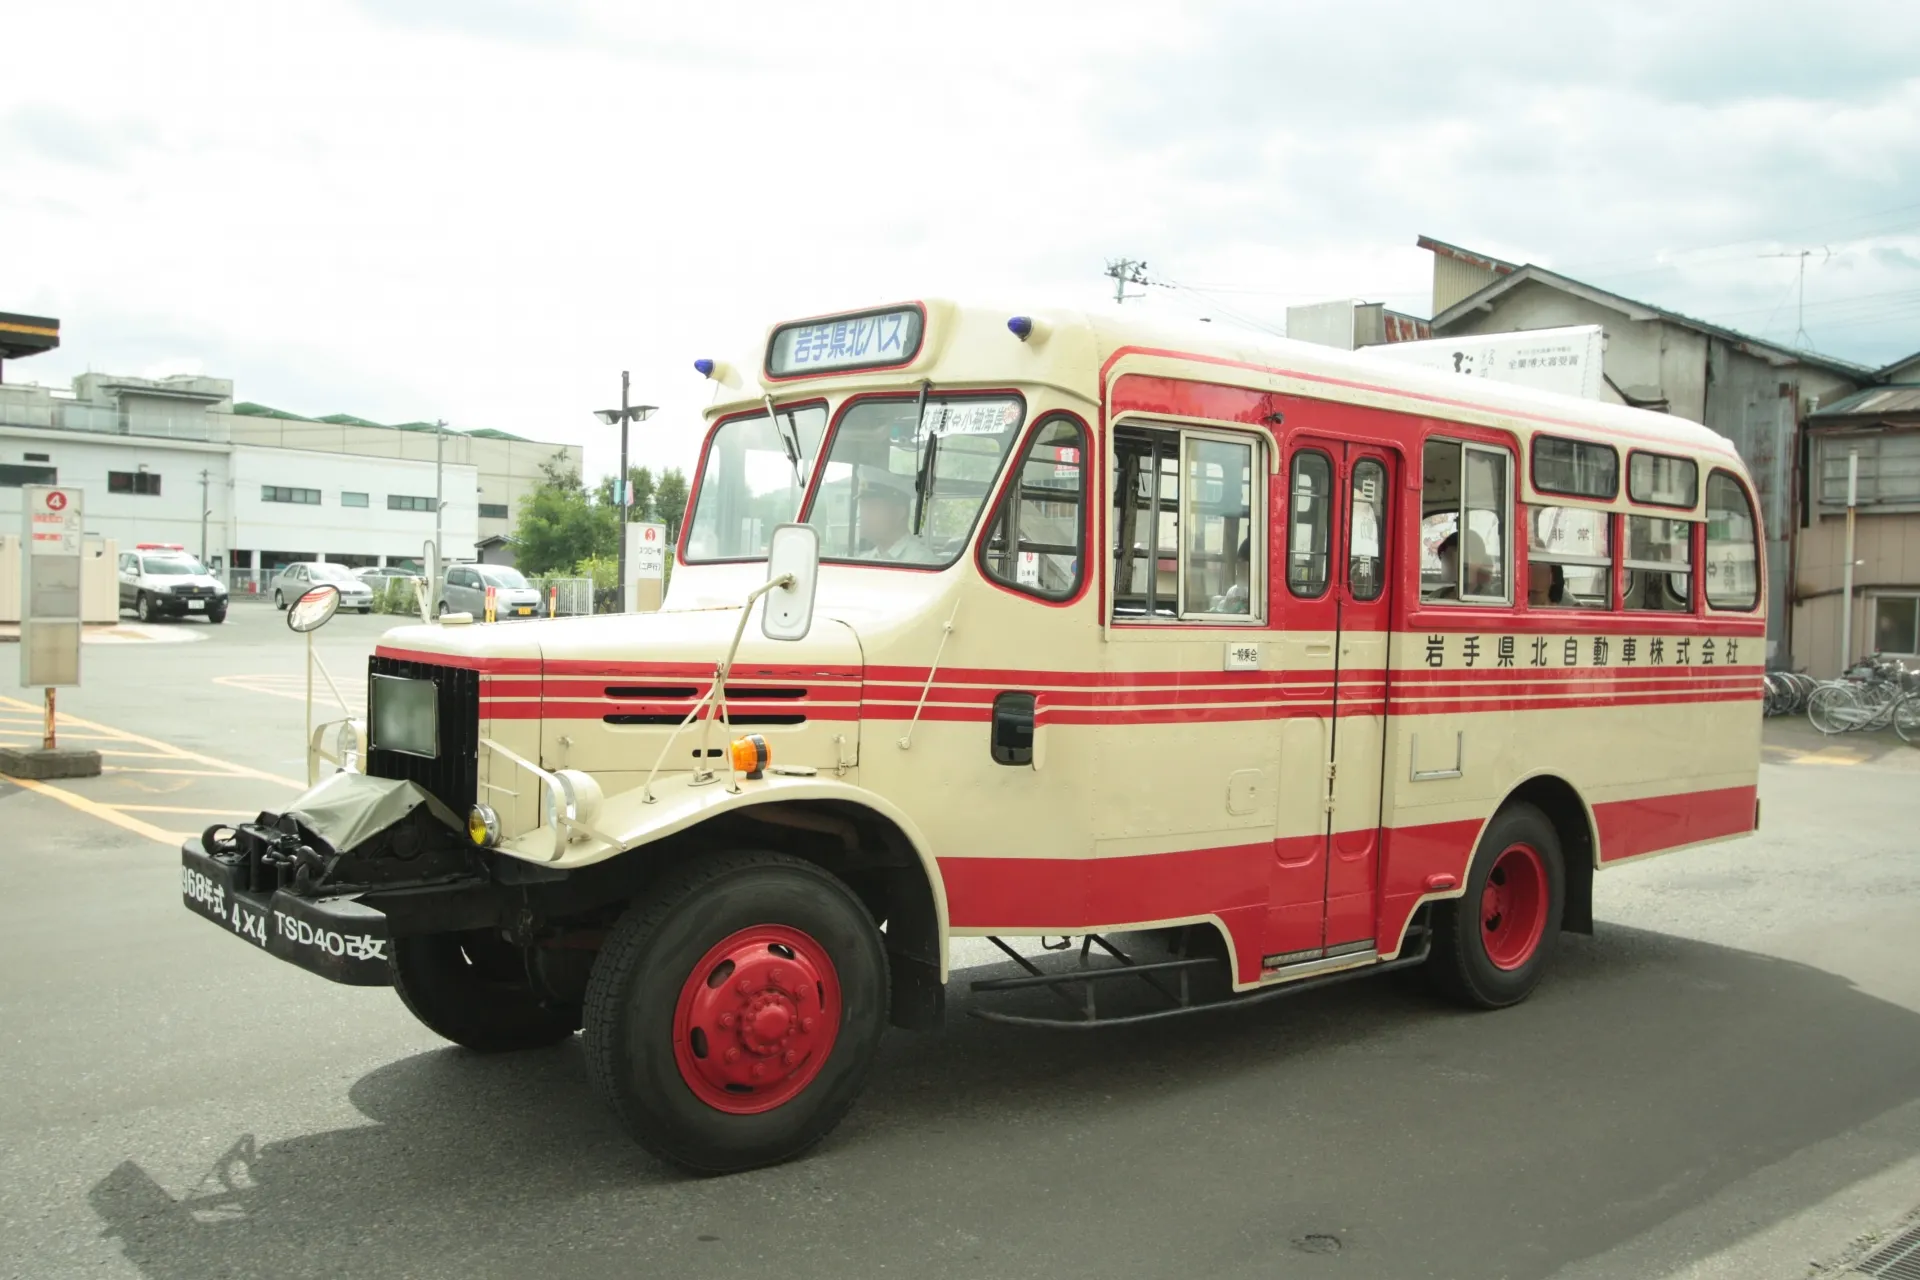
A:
409	209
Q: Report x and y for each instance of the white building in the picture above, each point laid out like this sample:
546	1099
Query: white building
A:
171	461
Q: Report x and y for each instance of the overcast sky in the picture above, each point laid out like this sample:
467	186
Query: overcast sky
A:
483	210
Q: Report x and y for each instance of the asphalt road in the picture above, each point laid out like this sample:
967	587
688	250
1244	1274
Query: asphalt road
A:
1725	1080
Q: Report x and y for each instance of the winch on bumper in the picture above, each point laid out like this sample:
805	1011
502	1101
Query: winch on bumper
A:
296	884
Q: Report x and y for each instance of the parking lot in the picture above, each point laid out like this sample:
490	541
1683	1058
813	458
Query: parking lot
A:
1724	1080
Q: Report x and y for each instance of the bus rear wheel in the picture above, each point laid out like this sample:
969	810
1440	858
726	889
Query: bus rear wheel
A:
735	1012
1492	944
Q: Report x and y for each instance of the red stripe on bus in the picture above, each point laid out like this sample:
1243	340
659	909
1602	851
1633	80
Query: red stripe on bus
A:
1630	828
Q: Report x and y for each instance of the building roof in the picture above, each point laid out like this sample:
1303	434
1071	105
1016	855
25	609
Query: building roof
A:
22	336
1905	369
1898	398
1468	256
252	409
1513	277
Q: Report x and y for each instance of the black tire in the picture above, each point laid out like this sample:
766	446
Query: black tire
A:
279	601
649	957
143	607
472	988
1461	967
366	611
439	610
216	615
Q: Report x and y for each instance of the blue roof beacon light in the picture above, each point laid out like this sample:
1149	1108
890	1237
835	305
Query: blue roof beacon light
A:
1021	327
704	367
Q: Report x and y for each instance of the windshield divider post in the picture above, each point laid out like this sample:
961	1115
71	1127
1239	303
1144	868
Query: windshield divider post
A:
923	473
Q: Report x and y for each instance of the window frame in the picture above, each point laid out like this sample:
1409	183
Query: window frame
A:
1831	447
1873	620
137	484
1610	562
1508	507
698	482
1533	468
1758	544
14	475
1383	528
1330	533
1637	500
1627	565
365	503
504	509
817	469
395	499
268	492
1010	486
1258	515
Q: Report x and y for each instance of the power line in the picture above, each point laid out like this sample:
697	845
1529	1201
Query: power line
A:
1125	271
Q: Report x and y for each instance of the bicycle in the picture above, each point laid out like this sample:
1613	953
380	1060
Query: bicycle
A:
1864	698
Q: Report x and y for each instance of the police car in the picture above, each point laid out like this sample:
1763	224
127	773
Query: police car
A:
160	580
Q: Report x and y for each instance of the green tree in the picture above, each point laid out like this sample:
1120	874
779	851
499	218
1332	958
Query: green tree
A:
641	479
561	524
670	501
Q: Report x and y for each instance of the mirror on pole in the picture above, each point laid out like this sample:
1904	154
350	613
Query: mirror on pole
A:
793	554
314	609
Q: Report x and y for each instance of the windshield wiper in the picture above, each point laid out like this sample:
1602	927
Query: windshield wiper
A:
923	474
791	445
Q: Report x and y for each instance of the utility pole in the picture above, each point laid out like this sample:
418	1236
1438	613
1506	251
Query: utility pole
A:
204	513
1125	271
622	487
439	504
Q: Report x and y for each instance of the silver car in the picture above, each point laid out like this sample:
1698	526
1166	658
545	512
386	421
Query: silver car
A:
295	580
465	591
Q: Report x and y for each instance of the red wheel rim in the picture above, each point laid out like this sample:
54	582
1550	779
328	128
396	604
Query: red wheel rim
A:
1513	906
757	1019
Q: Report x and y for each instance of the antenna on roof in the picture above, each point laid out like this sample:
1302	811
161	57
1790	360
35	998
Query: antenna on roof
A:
1800	338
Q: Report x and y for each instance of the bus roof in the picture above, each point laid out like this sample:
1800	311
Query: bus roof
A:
1081	352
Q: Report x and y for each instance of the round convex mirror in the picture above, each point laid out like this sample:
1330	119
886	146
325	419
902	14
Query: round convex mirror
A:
312	610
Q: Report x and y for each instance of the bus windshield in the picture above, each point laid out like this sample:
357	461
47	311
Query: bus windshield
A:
754	479
903	485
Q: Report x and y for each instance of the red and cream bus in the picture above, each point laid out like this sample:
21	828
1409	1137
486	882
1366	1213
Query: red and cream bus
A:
1253	664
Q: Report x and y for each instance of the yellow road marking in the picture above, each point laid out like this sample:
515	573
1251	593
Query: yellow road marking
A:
64	736
236	770
103	812
181	773
171	808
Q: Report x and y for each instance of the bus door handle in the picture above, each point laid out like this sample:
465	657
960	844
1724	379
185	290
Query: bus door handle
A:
1319	650
1013	731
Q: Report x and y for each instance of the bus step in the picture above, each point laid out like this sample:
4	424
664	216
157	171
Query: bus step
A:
1078	987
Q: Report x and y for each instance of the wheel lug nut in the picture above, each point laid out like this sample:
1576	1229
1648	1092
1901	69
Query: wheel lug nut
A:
789	1057
779	975
759	1070
733	1055
727	1020
745	988
806	1024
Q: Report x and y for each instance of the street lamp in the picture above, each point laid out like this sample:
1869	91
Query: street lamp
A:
625	414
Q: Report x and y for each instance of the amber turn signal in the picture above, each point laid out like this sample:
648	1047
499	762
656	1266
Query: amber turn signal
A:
483	826
750	755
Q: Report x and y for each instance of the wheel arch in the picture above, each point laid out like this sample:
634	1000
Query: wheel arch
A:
1572	820
854	835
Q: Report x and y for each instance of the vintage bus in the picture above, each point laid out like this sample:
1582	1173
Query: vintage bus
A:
1252	664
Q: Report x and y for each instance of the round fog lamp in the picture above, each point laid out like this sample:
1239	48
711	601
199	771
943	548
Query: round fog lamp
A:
750	755
483	826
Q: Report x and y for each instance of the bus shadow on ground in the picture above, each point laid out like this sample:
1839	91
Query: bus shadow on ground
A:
1361	1130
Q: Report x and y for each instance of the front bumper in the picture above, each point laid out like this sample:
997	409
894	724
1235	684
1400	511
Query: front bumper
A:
340	939
177	605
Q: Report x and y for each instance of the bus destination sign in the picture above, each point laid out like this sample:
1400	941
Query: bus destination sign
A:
866	340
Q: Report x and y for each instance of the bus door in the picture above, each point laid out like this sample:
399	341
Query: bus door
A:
1332	607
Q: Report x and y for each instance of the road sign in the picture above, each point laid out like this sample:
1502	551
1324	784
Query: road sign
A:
50	590
647	550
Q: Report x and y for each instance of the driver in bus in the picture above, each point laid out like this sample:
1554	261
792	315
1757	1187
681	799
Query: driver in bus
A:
886	511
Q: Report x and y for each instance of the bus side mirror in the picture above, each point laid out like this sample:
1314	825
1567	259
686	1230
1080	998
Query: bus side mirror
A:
794	554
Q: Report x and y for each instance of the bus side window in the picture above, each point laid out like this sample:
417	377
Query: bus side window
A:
1733	575
1035	540
1309	524
1366	531
1465	495
1569	558
1659	564
1186	528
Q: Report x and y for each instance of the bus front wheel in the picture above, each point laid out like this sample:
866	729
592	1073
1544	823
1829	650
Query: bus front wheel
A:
735	1011
1492	944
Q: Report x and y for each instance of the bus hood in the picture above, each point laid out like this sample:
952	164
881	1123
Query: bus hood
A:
607	692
